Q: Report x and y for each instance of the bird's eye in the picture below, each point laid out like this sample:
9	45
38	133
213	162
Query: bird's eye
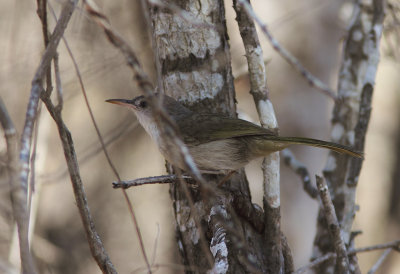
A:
143	104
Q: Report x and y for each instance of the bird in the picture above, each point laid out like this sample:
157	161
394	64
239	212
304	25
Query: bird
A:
216	142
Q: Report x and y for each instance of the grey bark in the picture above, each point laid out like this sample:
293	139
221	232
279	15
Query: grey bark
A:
195	69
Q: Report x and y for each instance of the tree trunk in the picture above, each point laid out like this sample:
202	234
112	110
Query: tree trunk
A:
195	65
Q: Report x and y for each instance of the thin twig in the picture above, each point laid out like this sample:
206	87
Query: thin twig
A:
380	261
395	245
59	88
153	258
315	262
96	246
36	89
130	206
163	179
31	114
300	169
95	243
342	263
32	164
311	79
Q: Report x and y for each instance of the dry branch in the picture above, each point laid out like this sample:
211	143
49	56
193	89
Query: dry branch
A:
380	261
96	246
27	133
350	119
17	193
394	245
164	179
300	169
271	163
342	262
95	243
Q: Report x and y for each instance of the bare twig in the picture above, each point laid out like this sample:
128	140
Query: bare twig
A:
380	261
300	169
311	79
394	245
32	163
42	13
167	179
164	179
18	193
36	89
59	90
103	146
95	243
342	263
153	258
315	262
32	112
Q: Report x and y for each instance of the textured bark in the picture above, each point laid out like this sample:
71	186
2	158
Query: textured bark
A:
350	121
195	69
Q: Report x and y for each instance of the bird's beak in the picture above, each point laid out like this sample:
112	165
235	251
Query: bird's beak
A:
121	102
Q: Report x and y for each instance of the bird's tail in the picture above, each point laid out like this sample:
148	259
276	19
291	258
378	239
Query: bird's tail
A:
317	143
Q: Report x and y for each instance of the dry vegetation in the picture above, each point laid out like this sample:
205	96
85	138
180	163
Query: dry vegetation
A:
311	30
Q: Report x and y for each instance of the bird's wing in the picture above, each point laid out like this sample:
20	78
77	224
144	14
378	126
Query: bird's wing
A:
210	127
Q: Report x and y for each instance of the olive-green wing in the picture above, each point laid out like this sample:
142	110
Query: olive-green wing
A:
203	128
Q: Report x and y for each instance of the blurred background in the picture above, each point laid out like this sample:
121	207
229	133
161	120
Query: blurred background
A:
312	30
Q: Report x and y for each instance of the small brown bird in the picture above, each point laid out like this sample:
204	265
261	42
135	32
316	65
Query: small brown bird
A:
217	143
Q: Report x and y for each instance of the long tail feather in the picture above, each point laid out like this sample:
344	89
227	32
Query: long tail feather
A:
319	143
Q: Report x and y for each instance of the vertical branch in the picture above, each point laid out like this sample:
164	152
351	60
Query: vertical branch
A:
351	117
342	261
271	164
18	194
24	154
96	246
37	91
